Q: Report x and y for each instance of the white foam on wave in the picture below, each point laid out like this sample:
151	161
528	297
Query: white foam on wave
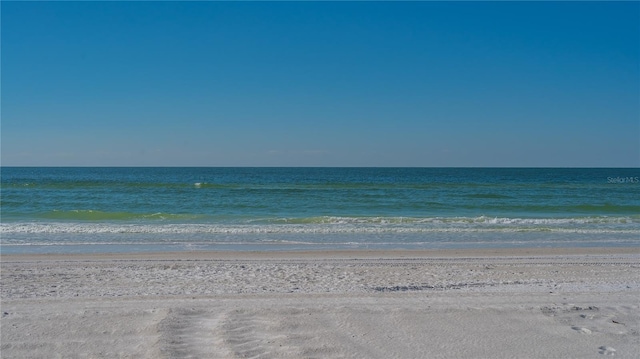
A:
338	225
480	220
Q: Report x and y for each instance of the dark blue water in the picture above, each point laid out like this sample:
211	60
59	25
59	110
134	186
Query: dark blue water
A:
138	209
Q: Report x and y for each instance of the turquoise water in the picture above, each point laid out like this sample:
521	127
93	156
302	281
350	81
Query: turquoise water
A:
149	209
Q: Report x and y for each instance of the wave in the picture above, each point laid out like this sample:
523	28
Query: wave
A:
222	219
92	215
339	225
546	209
482	189
488	196
487	220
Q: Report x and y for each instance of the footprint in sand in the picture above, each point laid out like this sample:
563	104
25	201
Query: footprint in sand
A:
606	350
581	330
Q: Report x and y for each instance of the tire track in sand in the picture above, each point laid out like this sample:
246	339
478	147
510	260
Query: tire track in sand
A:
191	333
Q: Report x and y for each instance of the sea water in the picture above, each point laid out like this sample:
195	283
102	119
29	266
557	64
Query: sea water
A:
159	209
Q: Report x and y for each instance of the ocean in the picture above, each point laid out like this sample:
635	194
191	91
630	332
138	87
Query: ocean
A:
94	210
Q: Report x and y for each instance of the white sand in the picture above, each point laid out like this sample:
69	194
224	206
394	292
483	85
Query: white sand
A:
536	303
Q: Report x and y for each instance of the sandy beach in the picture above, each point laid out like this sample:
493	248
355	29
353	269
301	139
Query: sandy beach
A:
518	303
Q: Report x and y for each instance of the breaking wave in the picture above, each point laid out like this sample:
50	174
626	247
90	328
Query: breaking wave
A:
333	225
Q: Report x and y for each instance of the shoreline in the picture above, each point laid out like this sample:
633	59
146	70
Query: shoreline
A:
323	254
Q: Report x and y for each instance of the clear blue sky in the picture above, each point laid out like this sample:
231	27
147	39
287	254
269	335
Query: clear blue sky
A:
321	84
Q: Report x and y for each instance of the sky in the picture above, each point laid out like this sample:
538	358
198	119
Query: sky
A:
427	84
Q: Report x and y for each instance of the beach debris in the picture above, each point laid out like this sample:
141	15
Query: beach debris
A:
607	350
579	308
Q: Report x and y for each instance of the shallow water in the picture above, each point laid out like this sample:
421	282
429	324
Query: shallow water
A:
150	209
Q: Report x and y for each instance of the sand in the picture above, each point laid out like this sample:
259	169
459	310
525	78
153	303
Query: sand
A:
525	303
